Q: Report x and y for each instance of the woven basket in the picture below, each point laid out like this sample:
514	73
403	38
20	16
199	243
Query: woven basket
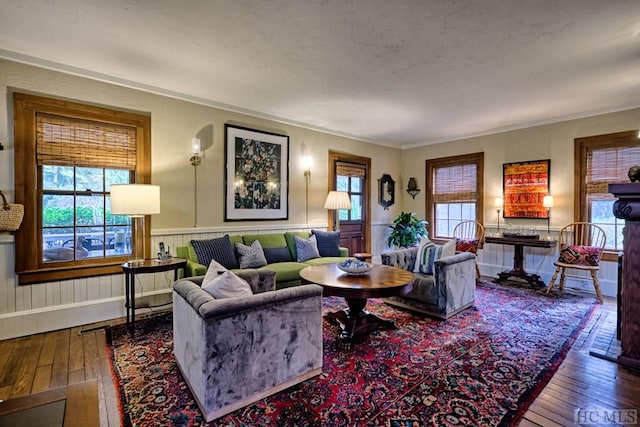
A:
10	215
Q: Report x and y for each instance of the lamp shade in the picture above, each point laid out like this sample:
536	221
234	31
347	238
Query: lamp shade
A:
135	199
498	202
547	202
337	200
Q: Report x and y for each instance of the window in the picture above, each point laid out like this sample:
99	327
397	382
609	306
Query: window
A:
602	160
350	178
454	192
67	157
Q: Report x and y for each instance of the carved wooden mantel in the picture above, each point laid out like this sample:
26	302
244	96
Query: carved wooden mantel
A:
627	207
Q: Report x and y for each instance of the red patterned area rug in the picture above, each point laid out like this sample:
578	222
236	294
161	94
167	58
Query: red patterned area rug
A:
482	367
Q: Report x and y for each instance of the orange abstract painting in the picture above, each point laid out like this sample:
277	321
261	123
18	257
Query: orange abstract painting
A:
525	184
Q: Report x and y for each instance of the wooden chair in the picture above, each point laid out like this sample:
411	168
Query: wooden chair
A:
580	246
469	237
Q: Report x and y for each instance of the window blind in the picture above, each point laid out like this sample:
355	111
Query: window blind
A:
609	165
454	184
350	169
66	141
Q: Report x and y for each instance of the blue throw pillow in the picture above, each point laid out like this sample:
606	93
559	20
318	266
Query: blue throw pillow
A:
328	242
219	249
274	255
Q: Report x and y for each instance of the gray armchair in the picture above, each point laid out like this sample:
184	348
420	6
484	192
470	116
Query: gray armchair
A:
451	289
235	351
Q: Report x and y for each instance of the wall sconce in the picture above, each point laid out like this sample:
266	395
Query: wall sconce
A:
498	202
195	160
412	187
307	162
547	202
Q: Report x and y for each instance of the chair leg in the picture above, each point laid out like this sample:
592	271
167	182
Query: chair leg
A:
477	271
596	285
563	274
553	280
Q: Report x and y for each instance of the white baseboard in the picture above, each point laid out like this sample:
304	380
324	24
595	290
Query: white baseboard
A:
37	321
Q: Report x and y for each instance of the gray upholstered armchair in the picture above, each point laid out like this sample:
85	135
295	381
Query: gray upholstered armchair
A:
235	351
451	288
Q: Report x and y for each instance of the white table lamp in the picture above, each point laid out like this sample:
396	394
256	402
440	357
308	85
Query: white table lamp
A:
337	200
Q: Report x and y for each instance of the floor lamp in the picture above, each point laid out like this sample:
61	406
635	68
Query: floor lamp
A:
136	201
337	200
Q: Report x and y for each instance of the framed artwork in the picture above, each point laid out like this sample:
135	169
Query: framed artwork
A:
524	186
386	191
256	175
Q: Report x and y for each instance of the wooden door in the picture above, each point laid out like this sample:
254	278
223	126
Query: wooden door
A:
351	174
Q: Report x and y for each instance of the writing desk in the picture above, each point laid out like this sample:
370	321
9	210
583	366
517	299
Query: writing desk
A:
518	270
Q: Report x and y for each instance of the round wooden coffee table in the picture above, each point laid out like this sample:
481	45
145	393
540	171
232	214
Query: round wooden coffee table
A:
381	281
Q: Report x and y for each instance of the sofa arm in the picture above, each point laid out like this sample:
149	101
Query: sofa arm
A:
401	258
344	252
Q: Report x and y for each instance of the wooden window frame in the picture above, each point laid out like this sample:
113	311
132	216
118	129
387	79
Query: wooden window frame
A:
581	148
431	164
29	264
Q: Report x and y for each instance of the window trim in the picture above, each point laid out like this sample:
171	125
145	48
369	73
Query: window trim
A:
581	146
29	268
431	164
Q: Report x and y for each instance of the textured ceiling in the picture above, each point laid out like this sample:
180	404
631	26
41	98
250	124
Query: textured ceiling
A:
400	73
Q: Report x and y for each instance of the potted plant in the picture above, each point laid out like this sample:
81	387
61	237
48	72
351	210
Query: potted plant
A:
406	230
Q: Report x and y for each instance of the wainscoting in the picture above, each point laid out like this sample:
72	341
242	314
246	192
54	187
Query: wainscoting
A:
26	310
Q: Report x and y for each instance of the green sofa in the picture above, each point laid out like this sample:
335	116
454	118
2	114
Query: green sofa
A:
287	273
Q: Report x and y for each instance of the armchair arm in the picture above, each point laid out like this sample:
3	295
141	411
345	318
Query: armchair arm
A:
210	308
401	258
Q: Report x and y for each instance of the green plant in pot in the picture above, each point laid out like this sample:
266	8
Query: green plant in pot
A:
406	230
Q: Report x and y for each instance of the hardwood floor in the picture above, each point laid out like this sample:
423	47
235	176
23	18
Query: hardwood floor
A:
37	363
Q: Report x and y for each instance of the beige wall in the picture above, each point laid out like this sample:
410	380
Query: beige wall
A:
553	141
174	123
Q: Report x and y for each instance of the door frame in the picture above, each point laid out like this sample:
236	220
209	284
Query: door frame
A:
333	158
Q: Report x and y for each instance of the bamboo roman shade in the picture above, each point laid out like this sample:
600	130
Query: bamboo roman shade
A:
350	169
609	166
67	141
455	184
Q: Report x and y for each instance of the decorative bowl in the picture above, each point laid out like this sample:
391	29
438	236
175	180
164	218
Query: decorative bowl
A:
354	266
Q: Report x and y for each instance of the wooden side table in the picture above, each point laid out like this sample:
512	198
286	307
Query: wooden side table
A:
362	256
130	271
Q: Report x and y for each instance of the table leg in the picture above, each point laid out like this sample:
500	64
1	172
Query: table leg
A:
127	304
133	303
519	272
355	322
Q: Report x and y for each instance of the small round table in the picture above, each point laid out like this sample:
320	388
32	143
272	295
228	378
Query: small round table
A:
381	281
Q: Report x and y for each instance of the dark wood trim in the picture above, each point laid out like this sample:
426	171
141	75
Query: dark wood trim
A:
430	164
335	156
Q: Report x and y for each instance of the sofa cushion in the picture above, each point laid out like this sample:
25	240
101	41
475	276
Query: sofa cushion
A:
328	242
291	244
306	249
251	256
269	240
325	260
424	245
277	255
221	283
286	271
218	249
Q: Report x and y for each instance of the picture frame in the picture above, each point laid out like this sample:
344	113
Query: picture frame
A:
256	177
524	186
386	191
